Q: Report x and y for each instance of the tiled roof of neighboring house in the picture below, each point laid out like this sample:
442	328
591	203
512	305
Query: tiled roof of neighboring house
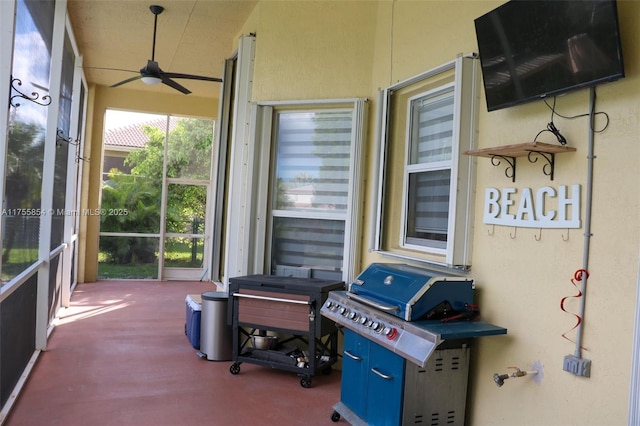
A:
133	135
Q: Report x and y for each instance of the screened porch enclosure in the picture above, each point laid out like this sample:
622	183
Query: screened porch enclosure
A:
155	194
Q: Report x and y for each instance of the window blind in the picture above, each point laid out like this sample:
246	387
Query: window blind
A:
429	170
313	158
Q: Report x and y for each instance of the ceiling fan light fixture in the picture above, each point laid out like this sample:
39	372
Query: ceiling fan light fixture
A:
151	81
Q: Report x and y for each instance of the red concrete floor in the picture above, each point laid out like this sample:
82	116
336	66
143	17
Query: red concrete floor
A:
119	356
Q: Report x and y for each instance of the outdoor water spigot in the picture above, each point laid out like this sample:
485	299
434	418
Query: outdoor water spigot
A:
519	373
500	378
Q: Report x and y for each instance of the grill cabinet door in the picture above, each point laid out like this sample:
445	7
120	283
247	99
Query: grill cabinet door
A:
355	373
386	384
372	380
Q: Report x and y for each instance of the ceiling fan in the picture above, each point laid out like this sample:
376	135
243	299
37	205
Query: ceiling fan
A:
152	74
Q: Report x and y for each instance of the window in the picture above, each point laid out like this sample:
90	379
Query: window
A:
425	189
313	188
428	170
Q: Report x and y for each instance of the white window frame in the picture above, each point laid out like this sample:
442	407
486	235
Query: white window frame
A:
457	253
265	113
234	167
405	240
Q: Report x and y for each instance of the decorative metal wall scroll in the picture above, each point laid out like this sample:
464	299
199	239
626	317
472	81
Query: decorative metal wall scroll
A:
35	96
60	137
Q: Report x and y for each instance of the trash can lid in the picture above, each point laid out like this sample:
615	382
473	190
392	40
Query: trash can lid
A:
215	295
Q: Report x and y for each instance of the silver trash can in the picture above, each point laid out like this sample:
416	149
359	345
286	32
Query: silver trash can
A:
215	333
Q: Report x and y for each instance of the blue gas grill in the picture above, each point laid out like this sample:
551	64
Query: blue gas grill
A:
407	334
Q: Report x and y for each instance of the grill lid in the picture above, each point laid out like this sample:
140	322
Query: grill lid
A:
409	293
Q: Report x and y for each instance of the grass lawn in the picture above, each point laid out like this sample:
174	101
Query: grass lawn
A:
19	260
128	271
178	254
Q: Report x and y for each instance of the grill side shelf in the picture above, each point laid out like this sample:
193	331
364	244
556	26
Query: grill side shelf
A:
462	329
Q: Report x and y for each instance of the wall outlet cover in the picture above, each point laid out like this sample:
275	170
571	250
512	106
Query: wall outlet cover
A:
577	366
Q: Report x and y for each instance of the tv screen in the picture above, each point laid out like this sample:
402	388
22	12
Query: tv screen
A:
534	49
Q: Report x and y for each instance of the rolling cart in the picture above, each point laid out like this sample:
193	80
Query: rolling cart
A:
287	308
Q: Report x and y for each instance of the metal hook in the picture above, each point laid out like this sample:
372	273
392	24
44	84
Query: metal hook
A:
493	230
566	239
539	236
515	232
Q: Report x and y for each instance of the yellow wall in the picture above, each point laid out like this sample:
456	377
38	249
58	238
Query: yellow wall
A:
100	99
312	49
327	49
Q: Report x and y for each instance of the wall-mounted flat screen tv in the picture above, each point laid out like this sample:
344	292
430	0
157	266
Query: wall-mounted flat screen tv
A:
535	49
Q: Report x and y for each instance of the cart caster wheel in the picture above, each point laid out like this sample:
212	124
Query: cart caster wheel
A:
335	417
327	371
305	382
235	368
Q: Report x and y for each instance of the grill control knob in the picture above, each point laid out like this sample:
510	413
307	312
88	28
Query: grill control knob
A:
353	316
343	311
368	323
362	320
376	326
391	333
329	304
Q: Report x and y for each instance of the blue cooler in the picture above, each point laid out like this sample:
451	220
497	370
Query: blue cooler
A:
192	324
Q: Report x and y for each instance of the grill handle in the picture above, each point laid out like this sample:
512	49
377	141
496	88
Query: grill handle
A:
380	306
352	356
380	374
274	299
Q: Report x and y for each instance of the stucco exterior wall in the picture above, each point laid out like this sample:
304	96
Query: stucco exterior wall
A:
318	49
307	50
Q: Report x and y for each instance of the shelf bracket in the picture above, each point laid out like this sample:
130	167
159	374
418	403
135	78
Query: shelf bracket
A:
548	168
510	171
510	153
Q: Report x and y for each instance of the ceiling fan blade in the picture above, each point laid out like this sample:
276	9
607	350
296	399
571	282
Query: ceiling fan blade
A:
191	76
175	85
110	69
138	77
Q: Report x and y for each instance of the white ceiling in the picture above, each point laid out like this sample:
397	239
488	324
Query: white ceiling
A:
193	37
